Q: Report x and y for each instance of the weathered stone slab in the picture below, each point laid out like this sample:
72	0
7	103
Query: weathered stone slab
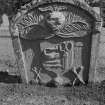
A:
60	31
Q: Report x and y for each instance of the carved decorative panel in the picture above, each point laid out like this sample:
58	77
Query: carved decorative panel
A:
55	19
55	43
57	60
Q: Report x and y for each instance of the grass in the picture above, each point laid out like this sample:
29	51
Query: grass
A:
91	91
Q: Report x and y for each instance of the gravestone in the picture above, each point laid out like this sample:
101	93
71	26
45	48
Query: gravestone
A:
56	42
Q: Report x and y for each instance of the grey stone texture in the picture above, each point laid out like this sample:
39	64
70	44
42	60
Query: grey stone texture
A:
100	65
7	54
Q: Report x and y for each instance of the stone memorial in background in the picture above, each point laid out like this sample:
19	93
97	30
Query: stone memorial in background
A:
56	42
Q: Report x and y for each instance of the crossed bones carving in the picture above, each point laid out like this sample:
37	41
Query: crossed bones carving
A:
35	70
79	75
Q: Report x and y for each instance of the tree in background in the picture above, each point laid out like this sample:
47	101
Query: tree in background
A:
10	7
93	3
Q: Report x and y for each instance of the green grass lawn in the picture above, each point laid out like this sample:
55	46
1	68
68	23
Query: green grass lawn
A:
92	94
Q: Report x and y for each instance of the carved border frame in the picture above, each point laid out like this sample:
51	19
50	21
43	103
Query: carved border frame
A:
20	57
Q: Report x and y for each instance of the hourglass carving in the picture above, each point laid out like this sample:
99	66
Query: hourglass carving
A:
63	57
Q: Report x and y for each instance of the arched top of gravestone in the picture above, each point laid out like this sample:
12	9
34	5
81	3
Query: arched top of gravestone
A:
45	19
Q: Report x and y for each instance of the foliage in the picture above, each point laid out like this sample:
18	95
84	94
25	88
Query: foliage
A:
91	91
93	3
10	7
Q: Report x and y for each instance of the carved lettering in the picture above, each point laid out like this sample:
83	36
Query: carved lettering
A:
53	8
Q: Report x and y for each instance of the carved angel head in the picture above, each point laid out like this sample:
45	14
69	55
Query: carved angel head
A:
56	18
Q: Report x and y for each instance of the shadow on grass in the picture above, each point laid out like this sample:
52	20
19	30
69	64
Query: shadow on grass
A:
7	78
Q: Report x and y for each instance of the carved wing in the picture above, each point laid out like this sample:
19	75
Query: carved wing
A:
74	27
33	26
53	22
